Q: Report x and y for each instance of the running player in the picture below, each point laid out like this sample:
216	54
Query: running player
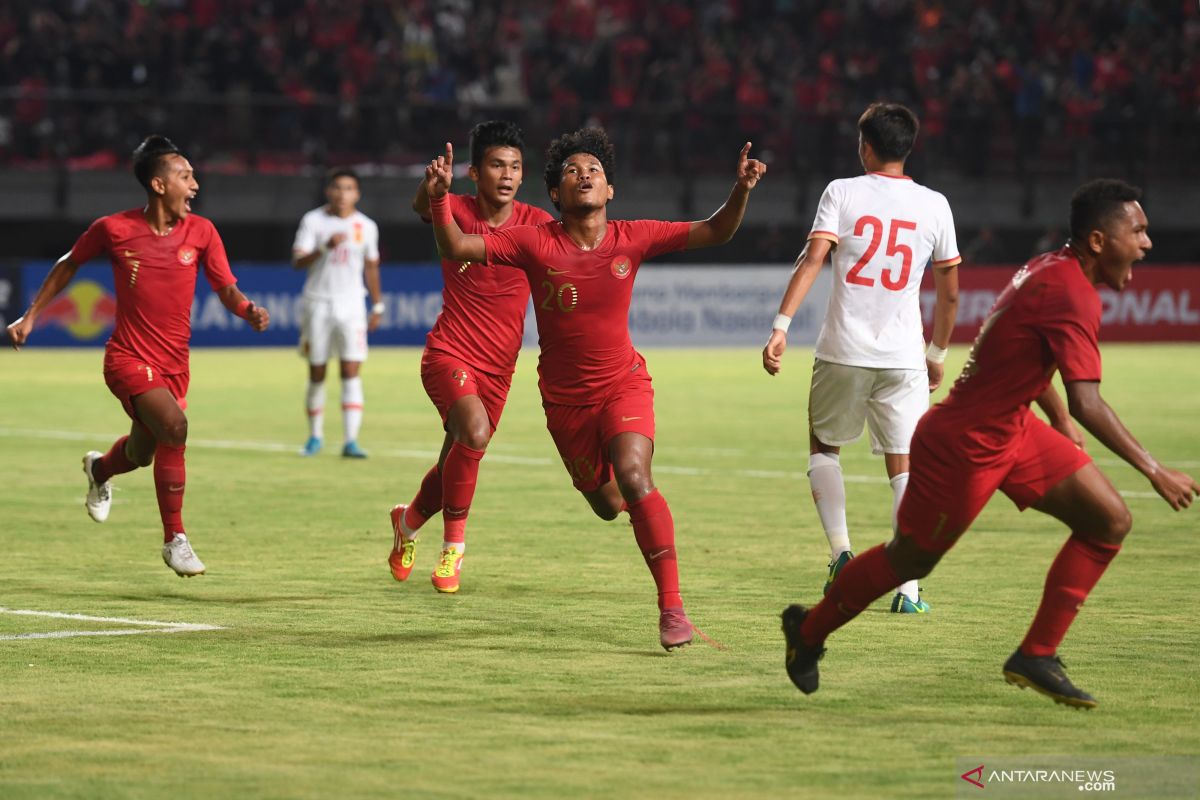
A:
984	437
339	246
595	387
871	361
156	253
471	352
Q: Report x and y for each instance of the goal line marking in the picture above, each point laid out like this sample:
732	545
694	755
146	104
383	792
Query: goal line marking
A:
144	625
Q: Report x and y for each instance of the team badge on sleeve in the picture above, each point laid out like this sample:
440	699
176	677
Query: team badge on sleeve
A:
620	267
187	255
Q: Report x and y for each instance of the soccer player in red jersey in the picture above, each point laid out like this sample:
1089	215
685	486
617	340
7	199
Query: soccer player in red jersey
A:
595	387
156	253
471	352
983	437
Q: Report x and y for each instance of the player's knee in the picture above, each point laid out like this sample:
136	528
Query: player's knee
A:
174	433
909	561
605	511
1117	525
476	434
634	481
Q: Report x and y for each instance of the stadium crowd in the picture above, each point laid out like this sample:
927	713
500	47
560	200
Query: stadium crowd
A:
302	81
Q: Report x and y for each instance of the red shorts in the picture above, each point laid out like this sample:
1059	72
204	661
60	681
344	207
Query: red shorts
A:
582	433
128	377
949	482
447	378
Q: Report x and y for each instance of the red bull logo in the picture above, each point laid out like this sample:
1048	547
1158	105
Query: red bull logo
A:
85	310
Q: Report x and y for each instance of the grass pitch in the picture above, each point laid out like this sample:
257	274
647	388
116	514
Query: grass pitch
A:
543	677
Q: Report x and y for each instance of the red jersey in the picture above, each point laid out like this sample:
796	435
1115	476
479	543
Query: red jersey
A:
1047	317
581	299
155	280
483	310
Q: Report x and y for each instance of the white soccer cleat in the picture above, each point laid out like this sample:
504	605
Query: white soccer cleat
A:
179	556
99	495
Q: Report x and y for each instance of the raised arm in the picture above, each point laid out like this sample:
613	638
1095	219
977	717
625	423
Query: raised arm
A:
720	227
451	241
1087	406
808	264
945	311
59	276
240	305
420	203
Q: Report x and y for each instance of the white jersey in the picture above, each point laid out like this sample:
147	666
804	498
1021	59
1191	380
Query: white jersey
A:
337	274
885	230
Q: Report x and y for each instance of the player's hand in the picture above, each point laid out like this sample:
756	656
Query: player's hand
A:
1177	488
749	170
19	330
336	239
1069	429
936	373
259	318
773	352
373	322
439	173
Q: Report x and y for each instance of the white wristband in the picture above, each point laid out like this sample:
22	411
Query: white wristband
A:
378	308
935	354
782	322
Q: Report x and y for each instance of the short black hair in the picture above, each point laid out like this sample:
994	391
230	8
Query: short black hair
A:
342	172
148	157
593	141
494	133
890	129
1096	203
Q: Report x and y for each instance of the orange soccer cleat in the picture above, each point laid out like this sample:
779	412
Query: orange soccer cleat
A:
445	575
404	551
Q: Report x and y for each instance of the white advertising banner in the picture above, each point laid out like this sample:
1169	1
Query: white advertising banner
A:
715	306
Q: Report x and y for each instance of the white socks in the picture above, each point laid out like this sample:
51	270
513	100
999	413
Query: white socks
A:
352	407
315	402
829	493
899	483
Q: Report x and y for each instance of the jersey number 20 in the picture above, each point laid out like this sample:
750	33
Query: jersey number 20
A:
894	248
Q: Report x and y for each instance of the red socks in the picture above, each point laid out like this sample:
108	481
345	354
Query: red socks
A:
114	462
460	473
863	580
654	530
169	479
427	502
1072	576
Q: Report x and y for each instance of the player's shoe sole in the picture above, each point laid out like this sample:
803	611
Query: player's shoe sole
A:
800	660
99	495
1046	675
835	568
404	552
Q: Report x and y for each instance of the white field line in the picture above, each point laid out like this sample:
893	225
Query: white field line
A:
156	626
526	461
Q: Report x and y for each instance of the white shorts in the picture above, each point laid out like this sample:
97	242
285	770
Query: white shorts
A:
889	401
333	327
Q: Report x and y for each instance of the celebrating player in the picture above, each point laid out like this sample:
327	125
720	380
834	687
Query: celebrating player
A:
983	437
871	361
339	246
155	252
471	352
595	387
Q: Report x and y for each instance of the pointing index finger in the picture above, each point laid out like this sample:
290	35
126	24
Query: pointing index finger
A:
745	152
449	154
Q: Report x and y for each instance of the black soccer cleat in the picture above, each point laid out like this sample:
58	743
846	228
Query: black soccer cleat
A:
1046	674
801	662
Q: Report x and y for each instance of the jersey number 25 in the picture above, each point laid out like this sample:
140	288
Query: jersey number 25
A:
894	248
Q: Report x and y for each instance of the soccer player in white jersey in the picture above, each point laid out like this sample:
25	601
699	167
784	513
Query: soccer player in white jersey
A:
339	246
872	364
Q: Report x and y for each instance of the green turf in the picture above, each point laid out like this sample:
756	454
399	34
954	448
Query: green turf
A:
543	677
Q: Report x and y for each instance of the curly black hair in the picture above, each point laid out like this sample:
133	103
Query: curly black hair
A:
494	133
1096	203
593	141
147	158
